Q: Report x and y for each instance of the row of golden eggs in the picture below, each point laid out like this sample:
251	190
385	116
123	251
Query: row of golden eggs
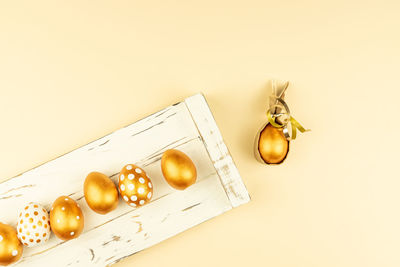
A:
134	185
34	227
66	218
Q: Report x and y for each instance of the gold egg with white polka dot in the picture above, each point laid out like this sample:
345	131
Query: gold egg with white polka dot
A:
33	225
10	246
135	186
66	218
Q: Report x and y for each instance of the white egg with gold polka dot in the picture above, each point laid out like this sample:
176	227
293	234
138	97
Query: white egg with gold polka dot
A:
33	225
135	186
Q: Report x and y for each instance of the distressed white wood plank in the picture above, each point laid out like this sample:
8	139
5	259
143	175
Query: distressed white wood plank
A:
218	151
108	238
137	229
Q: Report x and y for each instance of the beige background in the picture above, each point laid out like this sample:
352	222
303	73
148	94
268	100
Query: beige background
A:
72	72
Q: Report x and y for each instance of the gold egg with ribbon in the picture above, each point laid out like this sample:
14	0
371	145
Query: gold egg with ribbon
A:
273	146
10	246
66	218
100	192
272	141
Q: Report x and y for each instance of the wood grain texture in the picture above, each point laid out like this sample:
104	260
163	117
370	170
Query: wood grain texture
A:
218	151
187	126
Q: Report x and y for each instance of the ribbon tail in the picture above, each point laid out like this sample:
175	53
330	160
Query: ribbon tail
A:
296	125
294	132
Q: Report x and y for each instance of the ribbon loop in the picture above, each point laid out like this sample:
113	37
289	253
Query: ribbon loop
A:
281	109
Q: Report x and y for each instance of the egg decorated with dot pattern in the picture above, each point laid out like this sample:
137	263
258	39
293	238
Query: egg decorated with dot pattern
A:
10	246
33	225
66	218
178	169
135	186
101	194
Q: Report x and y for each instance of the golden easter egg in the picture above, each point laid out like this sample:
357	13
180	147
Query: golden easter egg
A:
33	225
273	146
178	169
135	186
66	218
10	246
101	194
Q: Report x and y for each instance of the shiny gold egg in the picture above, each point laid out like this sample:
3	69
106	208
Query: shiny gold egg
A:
10	246
101	194
273	146
135	186
66	218
178	169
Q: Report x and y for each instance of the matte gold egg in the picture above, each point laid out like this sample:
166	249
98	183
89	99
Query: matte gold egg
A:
273	146
66	218
101	194
178	169
10	246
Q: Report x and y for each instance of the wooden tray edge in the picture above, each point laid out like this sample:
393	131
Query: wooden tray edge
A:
218	151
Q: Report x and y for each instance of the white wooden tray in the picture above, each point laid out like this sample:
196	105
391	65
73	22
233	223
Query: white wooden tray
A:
188	126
